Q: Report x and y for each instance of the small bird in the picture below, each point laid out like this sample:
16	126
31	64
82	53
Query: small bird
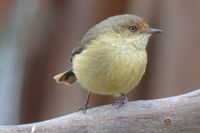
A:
111	58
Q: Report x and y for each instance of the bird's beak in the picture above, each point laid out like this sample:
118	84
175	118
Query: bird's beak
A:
152	31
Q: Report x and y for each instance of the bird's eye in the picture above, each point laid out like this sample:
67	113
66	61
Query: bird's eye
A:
132	28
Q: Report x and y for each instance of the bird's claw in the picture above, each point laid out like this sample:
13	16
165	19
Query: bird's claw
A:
83	109
121	102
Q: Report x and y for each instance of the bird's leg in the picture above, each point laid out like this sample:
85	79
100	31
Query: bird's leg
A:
85	107
122	101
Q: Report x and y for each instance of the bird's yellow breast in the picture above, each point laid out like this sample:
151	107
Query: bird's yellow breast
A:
110	66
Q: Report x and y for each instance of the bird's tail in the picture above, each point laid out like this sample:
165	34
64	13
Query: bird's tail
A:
67	77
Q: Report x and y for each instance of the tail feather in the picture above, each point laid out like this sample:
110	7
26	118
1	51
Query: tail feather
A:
67	77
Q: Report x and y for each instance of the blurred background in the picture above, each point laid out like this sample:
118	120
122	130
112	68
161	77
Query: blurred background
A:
37	37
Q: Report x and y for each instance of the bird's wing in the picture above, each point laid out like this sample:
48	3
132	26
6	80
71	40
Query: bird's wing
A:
92	34
77	50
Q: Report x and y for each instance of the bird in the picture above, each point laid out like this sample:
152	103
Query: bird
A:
111	57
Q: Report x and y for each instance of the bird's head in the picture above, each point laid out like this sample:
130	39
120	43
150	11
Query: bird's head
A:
129	28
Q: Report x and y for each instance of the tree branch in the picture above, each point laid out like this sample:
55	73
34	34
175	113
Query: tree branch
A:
180	114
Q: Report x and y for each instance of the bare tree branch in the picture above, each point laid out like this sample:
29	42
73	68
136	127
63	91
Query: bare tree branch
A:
180	114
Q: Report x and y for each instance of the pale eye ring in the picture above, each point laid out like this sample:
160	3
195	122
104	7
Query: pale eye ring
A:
132	28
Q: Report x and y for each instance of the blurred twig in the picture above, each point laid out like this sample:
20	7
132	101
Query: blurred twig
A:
180	114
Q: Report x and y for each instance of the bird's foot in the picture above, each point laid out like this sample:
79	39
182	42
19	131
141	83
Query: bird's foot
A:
120	102
83	109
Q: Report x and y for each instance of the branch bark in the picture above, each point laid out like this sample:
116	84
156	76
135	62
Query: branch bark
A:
179	114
